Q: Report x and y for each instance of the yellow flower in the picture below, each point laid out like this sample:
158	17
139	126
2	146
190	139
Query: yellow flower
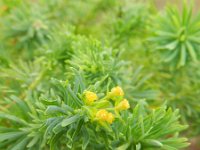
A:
123	105
116	93
110	118
104	116
90	97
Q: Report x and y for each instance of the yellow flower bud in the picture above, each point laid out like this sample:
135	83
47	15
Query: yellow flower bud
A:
102	115
110	118
116	93
123	105
90	97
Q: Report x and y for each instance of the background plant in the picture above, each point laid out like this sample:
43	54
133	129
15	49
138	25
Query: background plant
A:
177	35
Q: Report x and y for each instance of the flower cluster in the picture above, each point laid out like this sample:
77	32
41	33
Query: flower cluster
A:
123	105
104	116
105	110
89	97
117	95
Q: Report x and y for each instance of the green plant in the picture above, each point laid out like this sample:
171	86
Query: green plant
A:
90	79
130	22
97	62
176	38
61	118
177	35
29	28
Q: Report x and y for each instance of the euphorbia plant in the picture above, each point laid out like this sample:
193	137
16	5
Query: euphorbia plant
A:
176	38
74	117
77	92
177	35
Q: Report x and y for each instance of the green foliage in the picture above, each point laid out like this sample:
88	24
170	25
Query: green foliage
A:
181	91
63	65
97	61
59	120
177	78
28	28
177	35
130	22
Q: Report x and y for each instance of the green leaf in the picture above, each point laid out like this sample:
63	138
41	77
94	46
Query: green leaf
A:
79	127
172	45
171	56
152	143
54	109
20	145
70	120
86	138
10	135
58	128
12	118
76	100
33	141
183	56
123	147
191	51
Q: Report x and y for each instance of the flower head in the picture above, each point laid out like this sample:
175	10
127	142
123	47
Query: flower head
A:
123	105
90	97
104	116
116	93
110	118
